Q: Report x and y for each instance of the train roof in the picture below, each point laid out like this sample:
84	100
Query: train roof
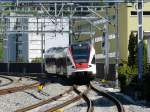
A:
56	52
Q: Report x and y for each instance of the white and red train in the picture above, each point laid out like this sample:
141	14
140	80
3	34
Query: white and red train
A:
75	60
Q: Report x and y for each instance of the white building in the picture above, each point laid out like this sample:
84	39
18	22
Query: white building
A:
27	44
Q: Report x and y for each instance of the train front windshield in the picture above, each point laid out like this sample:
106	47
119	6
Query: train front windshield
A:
80	53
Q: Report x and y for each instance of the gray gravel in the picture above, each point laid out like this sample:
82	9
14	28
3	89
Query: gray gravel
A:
102	104
61	100
18	100
130	105
79	106
16	81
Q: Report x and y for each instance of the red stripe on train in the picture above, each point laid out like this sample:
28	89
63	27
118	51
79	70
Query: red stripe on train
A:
82	65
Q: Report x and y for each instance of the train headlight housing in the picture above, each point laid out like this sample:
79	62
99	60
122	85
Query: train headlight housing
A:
73	66
89	66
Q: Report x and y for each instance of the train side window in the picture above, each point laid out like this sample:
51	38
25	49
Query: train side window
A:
47	60
68	61
54	61
93	60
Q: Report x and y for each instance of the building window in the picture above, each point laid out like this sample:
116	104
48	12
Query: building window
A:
19	51
133	13
145	13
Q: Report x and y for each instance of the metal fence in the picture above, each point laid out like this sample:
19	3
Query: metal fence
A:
20	67
36	68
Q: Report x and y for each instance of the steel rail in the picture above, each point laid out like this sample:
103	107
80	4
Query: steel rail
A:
10	81
44	102
80	95
57	107
64	104
16	89
89	102
107	95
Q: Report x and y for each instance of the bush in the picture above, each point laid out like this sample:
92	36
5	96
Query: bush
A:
132	48
36	60
20	60
146	86
126	74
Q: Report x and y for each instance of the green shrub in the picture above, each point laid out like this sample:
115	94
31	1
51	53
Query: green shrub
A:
146	86
36	60
20	60
127	70
126	74
145	68
132	48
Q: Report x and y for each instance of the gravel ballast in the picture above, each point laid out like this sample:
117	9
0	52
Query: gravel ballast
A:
18	100
129	104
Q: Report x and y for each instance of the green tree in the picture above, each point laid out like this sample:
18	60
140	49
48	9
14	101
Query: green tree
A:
132	47
133	55
37	60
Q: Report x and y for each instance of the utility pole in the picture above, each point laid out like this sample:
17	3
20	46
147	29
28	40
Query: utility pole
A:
55	20
42	35
106	47
6	46
140	38
117	43
70	25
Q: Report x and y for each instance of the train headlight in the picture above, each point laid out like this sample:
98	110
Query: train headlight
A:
73	66
89	66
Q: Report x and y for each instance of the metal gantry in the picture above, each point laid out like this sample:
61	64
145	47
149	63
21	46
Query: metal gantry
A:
106	46
117	43
75	9
52	9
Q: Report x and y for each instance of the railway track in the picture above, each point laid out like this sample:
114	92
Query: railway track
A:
44	102
51	107
19	88
109	96
75	98
90	103
79	94
10	81
85	97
